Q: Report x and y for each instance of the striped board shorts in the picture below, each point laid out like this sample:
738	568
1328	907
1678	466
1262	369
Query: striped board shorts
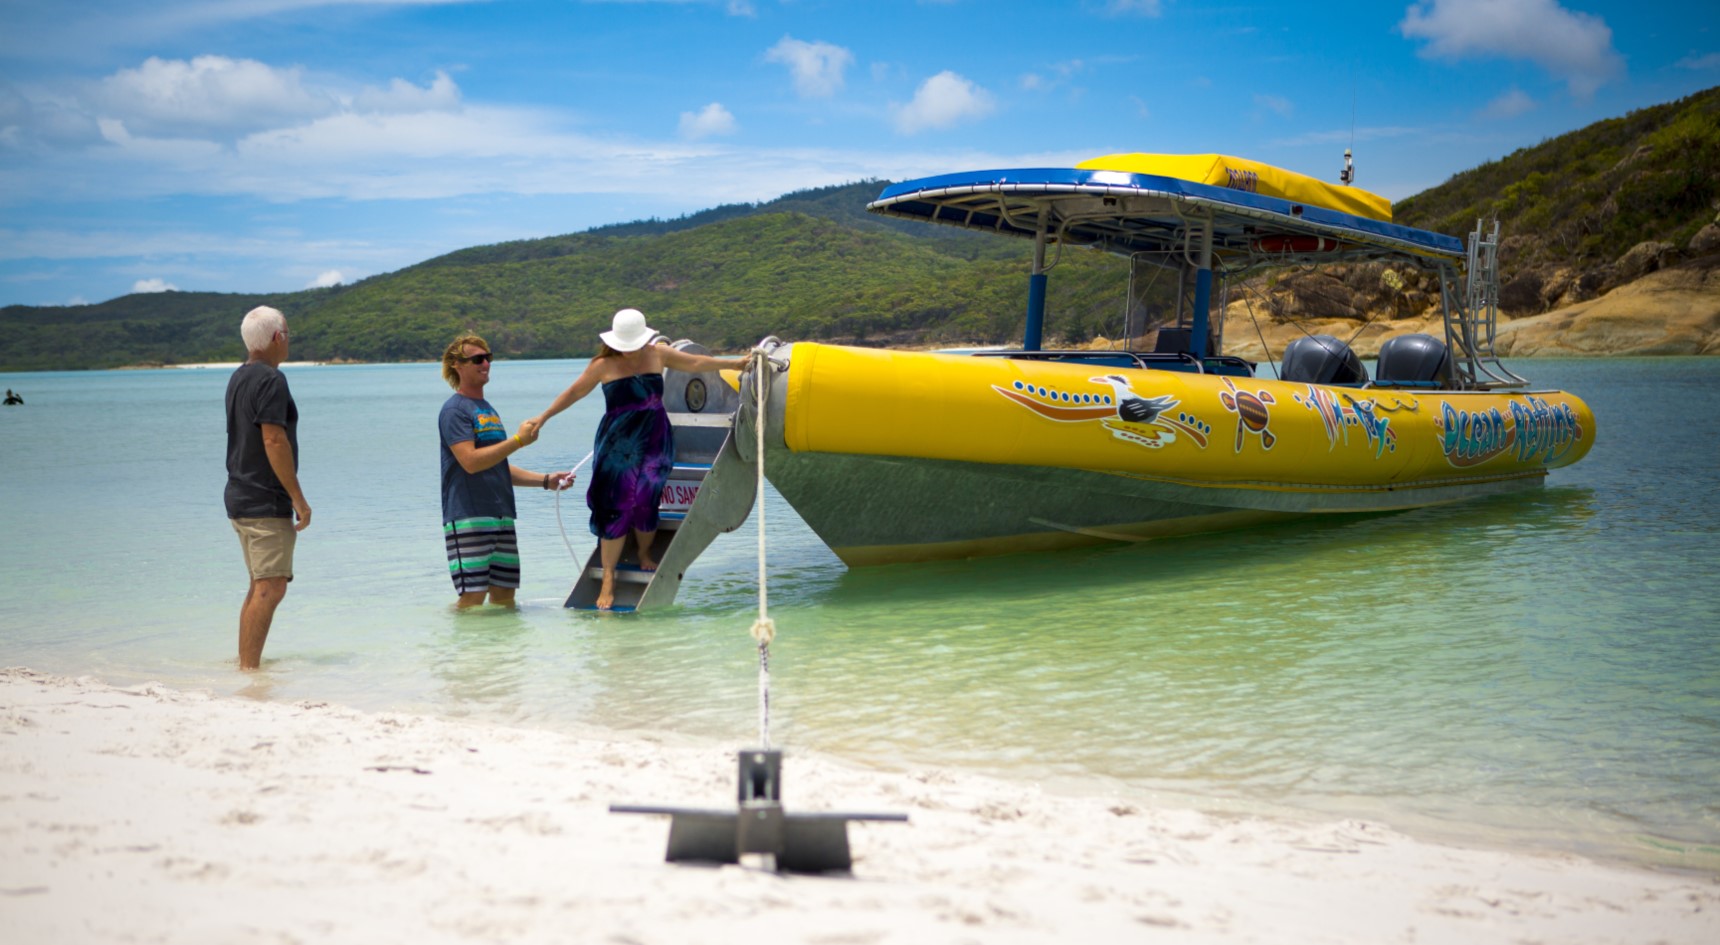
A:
482	553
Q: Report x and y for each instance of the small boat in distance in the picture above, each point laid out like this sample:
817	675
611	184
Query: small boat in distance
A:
895	456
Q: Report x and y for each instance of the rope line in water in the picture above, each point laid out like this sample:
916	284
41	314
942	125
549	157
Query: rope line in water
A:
570	552
764	628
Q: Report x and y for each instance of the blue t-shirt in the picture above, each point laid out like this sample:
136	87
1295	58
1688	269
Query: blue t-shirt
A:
488	494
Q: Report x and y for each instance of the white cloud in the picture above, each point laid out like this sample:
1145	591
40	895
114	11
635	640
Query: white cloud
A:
942	101
1508	105
816	67
210	99
741	8
208	95
1131	7
1574	47
1701	63
153	285
328	279
402	96
1277	104
710	121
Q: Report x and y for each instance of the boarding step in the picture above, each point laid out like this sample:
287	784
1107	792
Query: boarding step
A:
710	491
625	573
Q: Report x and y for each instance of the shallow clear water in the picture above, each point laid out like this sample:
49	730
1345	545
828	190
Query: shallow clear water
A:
1539	670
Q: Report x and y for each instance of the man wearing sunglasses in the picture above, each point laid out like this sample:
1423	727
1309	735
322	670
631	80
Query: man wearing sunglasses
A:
478	481
263	496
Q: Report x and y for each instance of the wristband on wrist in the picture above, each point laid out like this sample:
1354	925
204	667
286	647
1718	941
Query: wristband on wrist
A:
546	481
518	440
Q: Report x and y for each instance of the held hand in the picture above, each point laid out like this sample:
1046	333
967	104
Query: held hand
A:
528	433
560	481
303	512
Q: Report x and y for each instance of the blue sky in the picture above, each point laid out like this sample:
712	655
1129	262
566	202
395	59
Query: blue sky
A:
274	145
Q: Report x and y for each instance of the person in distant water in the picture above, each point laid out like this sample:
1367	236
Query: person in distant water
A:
263	496
635	448
478	481
12	398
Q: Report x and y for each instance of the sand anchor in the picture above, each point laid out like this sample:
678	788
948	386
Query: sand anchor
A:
801	843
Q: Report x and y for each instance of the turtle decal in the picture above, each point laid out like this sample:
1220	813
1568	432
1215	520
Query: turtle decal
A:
1251	413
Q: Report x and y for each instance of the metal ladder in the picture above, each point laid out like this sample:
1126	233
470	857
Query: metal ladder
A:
1472	322
711	491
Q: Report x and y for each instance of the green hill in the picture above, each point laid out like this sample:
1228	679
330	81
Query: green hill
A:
811	264
1582	213
1593	209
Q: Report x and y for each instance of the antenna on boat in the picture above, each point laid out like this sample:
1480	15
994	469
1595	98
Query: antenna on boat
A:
1348	175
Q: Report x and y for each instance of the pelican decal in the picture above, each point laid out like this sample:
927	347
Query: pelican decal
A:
1143	421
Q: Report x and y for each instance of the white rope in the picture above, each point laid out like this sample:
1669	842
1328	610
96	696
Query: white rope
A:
570	552
763	629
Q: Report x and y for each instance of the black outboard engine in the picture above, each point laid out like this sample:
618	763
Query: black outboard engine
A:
1414	359
1321	359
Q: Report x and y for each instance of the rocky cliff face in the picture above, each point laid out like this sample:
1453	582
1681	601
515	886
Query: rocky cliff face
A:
1655	298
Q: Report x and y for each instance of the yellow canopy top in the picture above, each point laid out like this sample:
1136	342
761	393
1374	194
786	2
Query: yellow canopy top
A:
1222	170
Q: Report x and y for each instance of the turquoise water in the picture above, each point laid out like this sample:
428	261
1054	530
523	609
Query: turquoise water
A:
1537	671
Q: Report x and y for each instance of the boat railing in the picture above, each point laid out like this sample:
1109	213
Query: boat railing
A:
1144	360
1175	361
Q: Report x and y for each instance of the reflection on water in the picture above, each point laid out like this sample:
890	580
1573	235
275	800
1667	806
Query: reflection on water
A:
1540	667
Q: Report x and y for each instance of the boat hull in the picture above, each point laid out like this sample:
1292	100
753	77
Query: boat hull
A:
906	456
873	510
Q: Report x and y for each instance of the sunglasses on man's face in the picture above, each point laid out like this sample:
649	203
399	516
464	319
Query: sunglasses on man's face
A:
477	359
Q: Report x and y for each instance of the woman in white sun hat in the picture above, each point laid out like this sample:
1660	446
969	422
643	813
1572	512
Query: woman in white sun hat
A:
635	448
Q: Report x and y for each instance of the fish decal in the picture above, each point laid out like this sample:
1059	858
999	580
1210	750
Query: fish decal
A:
1132	418
1365	414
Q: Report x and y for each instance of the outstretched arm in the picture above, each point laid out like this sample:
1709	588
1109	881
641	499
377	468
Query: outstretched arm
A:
581	386
475	459
691	363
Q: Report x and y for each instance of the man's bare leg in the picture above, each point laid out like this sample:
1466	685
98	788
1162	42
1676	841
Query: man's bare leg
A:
255	617
470	599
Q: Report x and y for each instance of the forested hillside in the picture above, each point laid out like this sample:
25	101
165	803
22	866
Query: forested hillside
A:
1582	213
1593	209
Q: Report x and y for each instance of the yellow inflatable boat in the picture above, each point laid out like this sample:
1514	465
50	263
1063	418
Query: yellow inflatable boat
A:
907	456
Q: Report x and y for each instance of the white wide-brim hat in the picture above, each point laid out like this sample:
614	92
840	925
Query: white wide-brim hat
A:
629	333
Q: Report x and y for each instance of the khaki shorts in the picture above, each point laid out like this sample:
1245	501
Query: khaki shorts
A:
268	545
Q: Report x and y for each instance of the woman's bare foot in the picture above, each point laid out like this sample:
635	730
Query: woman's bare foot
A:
606	594
646	564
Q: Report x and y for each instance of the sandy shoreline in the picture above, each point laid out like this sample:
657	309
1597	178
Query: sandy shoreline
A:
143	814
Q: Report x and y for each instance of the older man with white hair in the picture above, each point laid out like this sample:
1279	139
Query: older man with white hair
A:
263	496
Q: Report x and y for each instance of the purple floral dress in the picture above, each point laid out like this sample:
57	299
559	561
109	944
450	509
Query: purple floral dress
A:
634	453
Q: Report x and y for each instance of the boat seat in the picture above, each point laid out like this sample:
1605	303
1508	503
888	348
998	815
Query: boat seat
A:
1172	340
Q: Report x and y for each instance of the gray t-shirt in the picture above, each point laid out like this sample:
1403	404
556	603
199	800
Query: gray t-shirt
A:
256	394
488	494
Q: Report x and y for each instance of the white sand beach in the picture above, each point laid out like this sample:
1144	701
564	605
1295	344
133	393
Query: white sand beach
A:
143	814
